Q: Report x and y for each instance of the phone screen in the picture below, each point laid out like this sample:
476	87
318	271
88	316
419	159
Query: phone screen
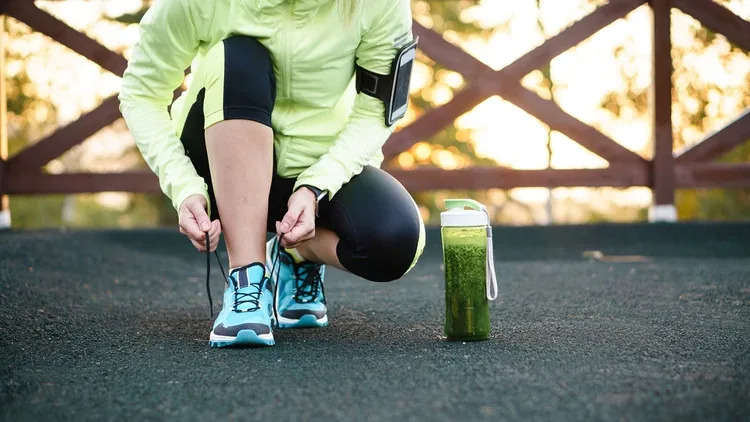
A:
401	88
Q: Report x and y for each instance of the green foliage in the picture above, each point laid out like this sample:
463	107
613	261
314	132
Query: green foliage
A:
43	211
32	212
717	204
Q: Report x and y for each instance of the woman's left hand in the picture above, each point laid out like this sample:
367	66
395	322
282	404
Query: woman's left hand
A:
298	224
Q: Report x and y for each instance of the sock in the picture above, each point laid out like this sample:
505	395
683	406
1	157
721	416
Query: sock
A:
295	255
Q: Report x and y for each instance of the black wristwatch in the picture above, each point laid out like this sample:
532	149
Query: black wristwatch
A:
319	195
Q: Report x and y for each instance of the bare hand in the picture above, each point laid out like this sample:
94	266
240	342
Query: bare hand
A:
194	222
298	224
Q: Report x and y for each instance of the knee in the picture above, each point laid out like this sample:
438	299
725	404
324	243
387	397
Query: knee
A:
401	247
389	249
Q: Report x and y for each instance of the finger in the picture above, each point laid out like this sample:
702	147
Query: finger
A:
290	219
299	233
214	239
200	246
201	218
187	234
303	230
214	230
190	228
214	236
291	238
214	244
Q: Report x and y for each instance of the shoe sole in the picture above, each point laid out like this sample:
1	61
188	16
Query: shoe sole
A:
307	321
246	338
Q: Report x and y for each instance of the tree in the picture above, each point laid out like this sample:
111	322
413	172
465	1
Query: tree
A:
705	97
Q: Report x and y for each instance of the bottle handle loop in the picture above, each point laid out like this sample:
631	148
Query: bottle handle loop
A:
491	282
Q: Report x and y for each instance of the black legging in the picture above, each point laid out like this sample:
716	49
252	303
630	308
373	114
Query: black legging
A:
381	232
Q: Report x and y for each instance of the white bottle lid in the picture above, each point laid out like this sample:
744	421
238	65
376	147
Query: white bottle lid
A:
457	216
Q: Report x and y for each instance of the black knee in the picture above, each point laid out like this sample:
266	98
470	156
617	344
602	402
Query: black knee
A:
381	231
386	255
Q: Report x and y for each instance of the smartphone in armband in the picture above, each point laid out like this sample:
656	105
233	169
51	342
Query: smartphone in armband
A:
392	89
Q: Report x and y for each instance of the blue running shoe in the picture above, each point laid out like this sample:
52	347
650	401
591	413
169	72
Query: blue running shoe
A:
300	297
246	315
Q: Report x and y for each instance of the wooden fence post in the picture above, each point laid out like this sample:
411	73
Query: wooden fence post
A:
4	201
663	165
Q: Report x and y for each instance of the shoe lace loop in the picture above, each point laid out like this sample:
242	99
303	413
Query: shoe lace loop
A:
251	297
307	282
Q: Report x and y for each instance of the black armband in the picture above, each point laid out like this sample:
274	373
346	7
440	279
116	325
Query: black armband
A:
392	89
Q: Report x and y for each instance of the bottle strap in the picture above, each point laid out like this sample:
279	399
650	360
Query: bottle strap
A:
491	282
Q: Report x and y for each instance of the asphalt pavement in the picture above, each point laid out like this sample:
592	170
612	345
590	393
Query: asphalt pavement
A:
113	325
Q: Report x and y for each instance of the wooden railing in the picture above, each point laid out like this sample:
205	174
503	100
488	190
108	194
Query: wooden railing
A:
23	173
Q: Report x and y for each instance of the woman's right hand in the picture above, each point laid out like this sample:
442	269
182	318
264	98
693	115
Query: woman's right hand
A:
194	222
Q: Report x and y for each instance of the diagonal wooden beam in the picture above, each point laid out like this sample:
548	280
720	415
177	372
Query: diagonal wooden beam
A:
66	137
505	82
435	120
718	19
56	29
569	37
449	55
719	142
548	112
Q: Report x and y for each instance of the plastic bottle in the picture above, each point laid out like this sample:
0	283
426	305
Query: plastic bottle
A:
470	281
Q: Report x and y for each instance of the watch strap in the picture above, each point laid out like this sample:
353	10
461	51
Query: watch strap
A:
319	195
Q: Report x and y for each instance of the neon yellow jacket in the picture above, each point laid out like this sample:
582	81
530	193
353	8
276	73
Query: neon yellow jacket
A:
324	133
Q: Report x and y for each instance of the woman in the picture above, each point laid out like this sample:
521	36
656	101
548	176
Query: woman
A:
271	136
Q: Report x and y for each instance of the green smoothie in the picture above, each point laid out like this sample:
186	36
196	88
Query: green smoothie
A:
467	313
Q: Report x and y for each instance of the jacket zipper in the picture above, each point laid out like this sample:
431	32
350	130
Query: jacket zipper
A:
288	59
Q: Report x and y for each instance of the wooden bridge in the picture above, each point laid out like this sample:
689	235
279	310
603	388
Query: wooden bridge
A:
694	168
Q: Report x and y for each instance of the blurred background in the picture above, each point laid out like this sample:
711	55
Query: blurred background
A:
604	81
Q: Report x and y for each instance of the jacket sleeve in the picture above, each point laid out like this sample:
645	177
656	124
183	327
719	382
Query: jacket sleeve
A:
169	38
365	132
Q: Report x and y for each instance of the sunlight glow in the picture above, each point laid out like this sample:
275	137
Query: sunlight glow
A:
499	130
